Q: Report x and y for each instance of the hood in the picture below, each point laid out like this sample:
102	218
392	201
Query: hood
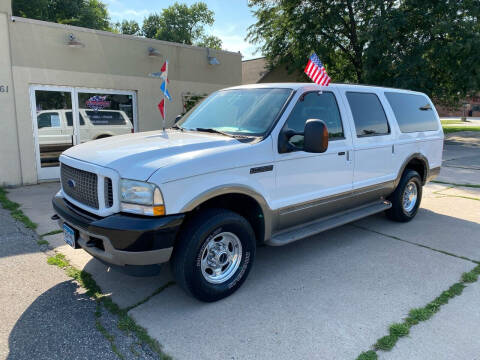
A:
138	156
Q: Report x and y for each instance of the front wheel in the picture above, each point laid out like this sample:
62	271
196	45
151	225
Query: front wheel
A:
214	254
406	198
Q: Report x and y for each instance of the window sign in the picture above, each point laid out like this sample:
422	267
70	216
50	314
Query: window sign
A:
55	120
97	102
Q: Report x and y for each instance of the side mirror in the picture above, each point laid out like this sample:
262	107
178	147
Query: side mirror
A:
315	136
177	119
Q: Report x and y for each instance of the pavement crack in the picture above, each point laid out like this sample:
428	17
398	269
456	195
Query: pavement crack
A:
456	184
417	244
156	292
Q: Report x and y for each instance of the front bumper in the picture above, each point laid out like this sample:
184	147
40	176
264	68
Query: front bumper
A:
121	239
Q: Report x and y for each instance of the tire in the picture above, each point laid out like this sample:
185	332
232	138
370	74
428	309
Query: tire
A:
404	211
214	254
102	136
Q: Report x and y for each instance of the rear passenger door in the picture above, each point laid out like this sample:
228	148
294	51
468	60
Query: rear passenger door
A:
373	140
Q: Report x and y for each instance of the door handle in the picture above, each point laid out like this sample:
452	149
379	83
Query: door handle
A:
341	153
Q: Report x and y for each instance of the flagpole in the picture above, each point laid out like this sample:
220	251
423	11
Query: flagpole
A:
164	102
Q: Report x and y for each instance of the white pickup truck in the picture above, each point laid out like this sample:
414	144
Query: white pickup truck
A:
55	127
257	164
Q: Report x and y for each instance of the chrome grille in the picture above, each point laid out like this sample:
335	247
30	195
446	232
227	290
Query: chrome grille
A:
108	192
80	185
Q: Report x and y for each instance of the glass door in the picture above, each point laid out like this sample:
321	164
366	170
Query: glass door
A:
53	127
67	116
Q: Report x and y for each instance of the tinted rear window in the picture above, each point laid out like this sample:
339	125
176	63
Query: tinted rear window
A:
69	117
368	114
105	117
413	112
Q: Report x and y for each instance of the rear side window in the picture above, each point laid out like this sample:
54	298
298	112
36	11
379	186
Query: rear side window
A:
105	117
368	114
413	112
69	117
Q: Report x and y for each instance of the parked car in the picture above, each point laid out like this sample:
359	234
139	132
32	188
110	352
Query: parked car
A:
257	164
55	127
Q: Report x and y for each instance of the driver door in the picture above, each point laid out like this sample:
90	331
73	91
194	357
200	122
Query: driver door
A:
310	185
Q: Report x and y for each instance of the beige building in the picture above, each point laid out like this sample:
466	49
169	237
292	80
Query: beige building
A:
256	71
62	85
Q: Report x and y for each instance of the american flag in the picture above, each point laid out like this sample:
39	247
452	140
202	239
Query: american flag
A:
316	71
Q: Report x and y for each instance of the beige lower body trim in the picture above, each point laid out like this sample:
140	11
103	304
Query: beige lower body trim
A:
122	258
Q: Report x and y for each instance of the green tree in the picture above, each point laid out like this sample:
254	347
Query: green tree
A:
425	45
210	41
91	14
182	24
128	27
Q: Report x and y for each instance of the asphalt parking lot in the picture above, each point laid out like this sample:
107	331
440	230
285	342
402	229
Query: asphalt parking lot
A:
328	297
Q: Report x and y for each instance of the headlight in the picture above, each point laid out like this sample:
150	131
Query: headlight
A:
140	197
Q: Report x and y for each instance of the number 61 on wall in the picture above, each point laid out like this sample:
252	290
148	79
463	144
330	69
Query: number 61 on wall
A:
3	88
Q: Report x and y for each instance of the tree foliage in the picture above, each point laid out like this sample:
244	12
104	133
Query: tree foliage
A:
182	24
91	14
210	41
177	23
128	27
426	45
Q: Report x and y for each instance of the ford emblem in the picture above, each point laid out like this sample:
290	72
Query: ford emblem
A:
71	183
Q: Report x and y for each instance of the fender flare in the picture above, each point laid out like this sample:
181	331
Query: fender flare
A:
234	189
417	156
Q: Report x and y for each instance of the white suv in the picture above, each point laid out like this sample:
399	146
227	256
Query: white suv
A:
256	164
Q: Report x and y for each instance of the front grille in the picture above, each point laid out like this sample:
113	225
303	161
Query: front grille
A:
80	185
108	192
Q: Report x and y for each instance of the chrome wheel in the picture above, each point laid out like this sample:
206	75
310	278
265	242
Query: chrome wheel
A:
410	195
221	257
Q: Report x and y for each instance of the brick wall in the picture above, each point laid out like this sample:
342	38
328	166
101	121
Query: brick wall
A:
471	109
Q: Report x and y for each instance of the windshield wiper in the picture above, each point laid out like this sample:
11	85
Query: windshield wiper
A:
214	131
177	127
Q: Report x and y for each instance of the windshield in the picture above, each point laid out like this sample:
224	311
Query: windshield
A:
237	111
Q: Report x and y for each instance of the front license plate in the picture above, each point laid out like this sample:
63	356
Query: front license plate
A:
69	235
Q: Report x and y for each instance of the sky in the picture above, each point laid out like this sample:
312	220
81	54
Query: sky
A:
232	18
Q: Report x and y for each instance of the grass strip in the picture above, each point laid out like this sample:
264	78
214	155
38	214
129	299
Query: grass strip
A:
15	211
453	122
109	337
452	129
125	323
42	242
50	233
368	355
418	315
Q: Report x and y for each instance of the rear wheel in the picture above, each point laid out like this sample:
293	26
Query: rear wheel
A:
406	198
214	254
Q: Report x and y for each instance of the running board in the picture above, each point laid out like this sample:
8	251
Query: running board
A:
314	227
